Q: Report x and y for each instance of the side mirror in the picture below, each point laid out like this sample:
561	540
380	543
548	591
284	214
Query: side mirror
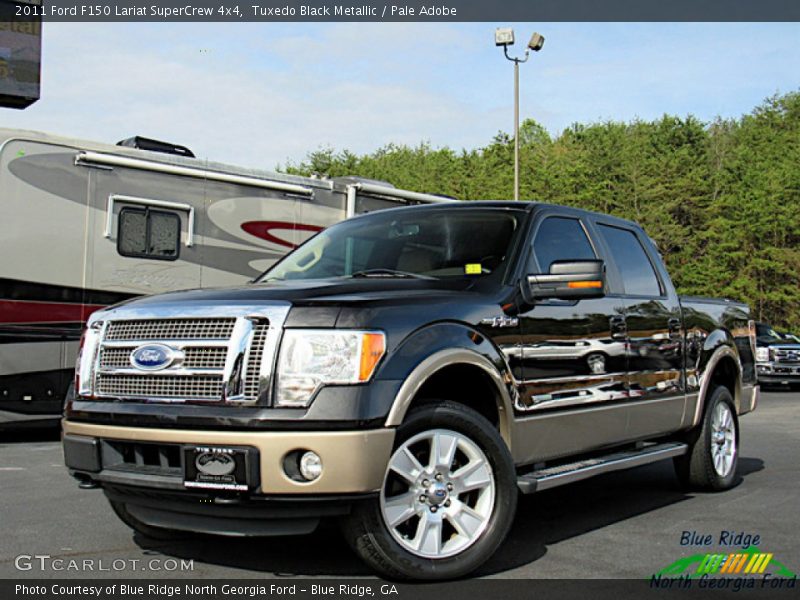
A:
568	279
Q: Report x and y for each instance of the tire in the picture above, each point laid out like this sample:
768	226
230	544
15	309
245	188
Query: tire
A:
471	524
148	531
710	464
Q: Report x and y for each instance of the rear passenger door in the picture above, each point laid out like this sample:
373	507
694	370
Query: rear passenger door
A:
653	324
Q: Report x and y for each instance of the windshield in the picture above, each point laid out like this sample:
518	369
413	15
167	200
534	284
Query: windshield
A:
413	244
767	332
768	335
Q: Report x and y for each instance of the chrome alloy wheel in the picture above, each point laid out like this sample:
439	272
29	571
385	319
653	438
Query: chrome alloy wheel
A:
723	439
438	494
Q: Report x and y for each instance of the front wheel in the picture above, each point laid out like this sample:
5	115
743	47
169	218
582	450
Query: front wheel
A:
713	453
447	501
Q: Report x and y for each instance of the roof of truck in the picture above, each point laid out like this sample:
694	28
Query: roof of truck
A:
524	205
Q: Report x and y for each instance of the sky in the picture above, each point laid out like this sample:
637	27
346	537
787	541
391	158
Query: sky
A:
264	94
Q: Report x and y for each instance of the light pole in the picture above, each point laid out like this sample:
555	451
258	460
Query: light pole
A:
504	36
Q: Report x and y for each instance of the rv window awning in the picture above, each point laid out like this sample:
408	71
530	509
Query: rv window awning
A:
382	190
389	192
98	158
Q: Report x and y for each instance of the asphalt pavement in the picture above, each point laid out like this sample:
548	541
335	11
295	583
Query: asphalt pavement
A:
627	524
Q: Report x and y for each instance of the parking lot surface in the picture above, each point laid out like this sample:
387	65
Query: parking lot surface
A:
621	525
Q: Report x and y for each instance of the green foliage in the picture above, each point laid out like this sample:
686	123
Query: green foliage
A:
721	199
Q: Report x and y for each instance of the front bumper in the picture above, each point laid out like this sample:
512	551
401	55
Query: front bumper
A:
778	373
353	462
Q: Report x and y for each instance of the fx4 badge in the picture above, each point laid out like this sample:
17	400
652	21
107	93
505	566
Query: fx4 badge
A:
500	321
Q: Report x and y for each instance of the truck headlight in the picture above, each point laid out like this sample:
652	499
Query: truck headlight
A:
311	358
762	354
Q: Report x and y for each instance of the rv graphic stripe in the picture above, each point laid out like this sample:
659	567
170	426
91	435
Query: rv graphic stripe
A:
16	289
40	332
28	311
39	312
264	230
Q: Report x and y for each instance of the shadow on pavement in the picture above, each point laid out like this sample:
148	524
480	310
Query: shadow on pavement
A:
323	552
749	465
542	519
23	433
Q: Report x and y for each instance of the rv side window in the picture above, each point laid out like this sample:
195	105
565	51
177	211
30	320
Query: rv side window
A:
148	233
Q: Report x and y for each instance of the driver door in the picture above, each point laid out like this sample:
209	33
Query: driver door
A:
573	353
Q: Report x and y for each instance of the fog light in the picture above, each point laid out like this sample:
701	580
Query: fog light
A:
310	466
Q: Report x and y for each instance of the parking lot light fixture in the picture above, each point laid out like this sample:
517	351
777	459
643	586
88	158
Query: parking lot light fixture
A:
504	36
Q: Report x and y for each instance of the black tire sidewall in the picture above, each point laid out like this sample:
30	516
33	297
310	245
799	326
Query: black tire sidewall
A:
445	415
715	481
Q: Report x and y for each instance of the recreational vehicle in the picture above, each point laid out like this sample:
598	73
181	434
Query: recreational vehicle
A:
86	225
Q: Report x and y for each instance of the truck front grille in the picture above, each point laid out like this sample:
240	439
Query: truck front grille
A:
173	387
170	329
252	378
784	355
196	357
219	358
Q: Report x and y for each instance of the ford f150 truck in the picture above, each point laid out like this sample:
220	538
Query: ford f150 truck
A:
410	372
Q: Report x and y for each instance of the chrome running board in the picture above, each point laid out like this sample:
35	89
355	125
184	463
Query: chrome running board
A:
550	477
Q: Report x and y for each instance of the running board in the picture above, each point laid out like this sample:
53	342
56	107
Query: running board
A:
550	477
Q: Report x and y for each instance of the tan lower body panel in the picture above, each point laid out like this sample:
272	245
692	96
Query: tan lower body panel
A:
553	435
558	434
749	399
352	461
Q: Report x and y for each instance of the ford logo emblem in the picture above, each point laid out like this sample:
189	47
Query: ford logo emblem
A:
153	357
439	493
215	463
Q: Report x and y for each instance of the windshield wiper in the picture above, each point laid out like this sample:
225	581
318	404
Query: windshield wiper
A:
389	273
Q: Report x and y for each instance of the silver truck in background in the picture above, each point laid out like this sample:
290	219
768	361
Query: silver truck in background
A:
777	357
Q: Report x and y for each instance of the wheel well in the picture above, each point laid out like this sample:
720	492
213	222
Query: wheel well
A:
465	384
726	374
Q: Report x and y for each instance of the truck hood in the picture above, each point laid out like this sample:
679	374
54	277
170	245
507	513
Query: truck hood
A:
785	344
320	292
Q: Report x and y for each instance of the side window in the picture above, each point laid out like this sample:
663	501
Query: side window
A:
147	233
560	238
638	276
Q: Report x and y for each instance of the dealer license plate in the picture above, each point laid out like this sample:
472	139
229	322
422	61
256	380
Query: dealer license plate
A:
215	468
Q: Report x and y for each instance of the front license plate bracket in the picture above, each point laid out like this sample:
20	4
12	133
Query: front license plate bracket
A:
229	468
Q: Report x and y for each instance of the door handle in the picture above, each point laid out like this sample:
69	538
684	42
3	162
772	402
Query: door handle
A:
619	328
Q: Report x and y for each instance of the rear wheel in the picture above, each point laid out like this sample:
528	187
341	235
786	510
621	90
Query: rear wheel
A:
713	453
447	501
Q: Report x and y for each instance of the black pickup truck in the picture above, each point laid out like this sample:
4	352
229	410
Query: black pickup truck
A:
410	372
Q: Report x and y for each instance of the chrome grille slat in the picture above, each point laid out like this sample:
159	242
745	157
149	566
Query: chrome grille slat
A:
118	357
173	387
252	370
171	329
